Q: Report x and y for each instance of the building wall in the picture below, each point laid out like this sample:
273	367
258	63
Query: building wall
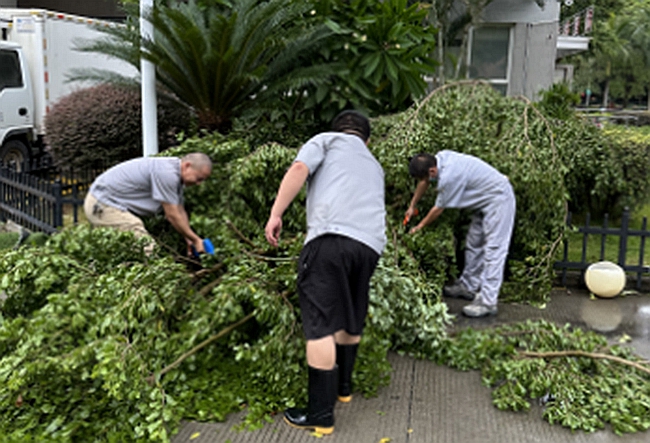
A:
521	11
533	58
106	9
534	42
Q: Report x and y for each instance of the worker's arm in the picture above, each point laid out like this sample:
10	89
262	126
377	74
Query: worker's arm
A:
420	189
433	214
290	186
178	218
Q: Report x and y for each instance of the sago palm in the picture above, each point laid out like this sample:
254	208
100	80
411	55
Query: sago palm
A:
222	61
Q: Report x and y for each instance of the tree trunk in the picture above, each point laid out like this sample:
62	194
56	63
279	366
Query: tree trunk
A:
606	94
441	56
462	52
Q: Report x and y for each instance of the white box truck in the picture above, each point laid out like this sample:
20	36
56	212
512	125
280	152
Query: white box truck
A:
36	56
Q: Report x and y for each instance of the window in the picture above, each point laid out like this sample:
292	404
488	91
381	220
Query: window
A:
489	55
10	75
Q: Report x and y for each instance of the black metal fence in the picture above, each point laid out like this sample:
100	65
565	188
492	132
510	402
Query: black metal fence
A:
38	197
624	234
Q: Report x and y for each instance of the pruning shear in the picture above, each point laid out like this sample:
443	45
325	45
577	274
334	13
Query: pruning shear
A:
207	246
407	219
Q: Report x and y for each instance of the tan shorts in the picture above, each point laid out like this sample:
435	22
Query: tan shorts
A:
99	214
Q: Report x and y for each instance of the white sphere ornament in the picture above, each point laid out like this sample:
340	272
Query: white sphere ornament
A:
605	279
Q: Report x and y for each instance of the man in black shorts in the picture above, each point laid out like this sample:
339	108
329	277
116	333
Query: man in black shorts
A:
346	234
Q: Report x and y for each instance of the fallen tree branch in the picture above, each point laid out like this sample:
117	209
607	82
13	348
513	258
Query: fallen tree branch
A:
555	354
240	234
273	259
200	346
202	272
440	89
205	290
175	254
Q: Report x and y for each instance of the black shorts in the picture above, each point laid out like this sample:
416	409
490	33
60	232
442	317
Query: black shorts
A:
333	282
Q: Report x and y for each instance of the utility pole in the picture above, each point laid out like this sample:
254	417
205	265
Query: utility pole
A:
148	71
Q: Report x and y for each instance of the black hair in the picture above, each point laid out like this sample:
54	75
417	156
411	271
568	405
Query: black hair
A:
352	122
420	164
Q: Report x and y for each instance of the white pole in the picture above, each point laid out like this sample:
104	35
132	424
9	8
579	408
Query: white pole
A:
149	115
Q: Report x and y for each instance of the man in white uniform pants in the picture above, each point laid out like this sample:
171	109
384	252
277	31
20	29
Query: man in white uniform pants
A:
467	182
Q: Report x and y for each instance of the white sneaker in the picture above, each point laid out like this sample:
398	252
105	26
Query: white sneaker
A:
479	309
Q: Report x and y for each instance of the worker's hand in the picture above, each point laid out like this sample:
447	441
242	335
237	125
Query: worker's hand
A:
273	229
410	212
415	229
195	247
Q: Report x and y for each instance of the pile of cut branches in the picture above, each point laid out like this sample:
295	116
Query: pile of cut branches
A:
100	343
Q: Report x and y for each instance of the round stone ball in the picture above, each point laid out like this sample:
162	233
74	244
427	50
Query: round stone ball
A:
605	279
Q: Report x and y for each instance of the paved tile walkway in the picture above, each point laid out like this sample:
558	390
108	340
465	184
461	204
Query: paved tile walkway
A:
427	403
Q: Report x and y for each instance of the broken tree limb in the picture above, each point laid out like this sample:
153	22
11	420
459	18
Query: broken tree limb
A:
200	346
556	354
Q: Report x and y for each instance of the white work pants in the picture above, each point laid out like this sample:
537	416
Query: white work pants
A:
486	248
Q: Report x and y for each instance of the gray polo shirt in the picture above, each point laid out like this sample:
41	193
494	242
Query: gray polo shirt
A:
140	185
345	189
465	181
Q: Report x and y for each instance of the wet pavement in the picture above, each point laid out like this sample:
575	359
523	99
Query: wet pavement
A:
427	403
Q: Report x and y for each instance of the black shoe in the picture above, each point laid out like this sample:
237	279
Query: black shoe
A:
458	290
302	419
345	357
319	415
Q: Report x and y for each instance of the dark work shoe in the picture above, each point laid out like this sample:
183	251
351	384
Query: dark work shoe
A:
478	309
319	414
458	290
302	419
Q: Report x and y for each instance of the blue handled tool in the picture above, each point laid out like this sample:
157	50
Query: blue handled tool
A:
207	245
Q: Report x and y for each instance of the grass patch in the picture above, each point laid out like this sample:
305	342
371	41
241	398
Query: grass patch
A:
8	240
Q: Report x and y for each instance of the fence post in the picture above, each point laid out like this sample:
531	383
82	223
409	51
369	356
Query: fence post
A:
622	246
75	206
585	235
57	189
565	253
639	275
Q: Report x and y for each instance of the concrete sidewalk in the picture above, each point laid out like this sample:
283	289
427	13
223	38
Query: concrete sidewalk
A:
427	403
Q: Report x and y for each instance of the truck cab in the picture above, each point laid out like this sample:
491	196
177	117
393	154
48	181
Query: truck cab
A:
16	107
38	51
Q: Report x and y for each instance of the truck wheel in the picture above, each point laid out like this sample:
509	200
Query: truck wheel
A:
14	154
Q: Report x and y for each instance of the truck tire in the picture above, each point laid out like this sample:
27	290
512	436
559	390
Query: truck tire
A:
14	154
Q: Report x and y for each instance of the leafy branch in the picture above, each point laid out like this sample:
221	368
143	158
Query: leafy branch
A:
578	353
152	378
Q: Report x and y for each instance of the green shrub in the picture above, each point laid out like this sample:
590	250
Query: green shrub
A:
608	169
631	150
559	101
103	125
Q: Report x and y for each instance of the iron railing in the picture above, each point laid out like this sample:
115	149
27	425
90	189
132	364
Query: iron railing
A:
37	198
624	234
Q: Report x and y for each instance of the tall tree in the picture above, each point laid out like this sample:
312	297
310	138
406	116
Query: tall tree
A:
635	29
385	48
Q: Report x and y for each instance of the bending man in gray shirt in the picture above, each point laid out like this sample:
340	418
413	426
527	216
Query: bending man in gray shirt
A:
346	234
142	187
468	182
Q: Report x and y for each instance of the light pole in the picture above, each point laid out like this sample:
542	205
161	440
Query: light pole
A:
148	70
